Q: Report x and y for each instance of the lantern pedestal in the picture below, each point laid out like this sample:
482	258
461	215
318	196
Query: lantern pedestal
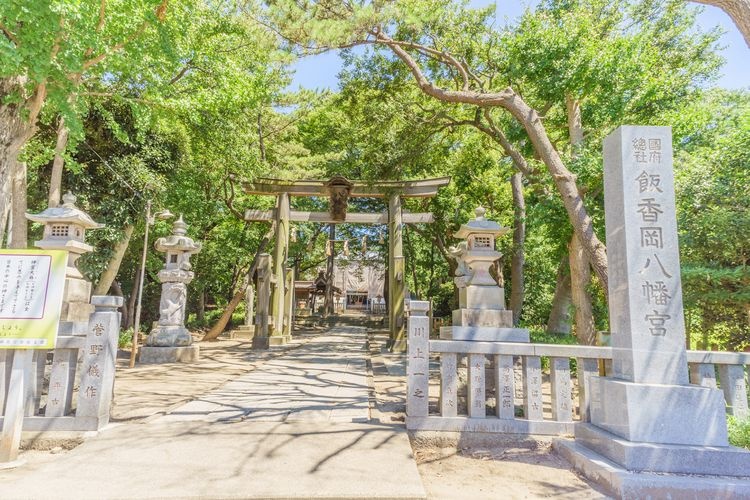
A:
154	355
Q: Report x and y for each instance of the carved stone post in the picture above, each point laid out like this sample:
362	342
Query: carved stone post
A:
99	355
260	340
289	303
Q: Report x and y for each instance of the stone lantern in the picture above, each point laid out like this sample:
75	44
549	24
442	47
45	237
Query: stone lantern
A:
65	229
481	314
170	341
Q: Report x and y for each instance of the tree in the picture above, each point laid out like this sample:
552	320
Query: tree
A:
454	58
46	50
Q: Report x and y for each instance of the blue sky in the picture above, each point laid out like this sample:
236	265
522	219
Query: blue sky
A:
320	72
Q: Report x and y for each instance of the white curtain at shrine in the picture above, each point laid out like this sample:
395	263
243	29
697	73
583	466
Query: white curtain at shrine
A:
360	277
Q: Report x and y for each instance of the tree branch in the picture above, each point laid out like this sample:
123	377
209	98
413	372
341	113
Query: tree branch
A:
159	12
455	96
9	35
102	9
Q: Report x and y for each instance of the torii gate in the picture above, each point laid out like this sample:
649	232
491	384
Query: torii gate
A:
339	190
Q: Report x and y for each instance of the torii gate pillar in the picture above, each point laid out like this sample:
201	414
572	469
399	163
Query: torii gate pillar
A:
396	282
281	252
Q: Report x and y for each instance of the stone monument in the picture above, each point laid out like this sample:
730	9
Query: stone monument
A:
646	417
481	315
247	329
264	277
170	341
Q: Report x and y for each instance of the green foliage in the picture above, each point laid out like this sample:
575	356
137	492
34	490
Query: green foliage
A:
125	338
194	102
739	432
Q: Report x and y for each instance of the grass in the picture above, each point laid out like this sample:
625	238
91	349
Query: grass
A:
739	432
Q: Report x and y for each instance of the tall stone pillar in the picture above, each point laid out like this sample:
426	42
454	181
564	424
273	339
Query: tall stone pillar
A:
247	329
646	416
250	304
263	287
396	276
279	263
289	303
170	341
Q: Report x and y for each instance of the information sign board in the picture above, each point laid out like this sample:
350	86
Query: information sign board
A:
31	292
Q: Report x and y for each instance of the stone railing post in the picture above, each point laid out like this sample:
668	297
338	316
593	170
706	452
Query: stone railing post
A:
99	355
418	359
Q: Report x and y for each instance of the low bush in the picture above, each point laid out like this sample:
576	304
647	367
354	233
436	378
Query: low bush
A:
739	432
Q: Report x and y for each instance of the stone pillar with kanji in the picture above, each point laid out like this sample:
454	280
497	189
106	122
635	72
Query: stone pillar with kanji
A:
170	341
646	416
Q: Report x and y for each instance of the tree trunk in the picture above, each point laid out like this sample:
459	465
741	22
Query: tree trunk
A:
519	238
226	316
55	184
17	126
579	263
19	229
580	276
527	117
411	261
559	316
200	313
738	10
117	292
113	266
575	127
133	298
216	330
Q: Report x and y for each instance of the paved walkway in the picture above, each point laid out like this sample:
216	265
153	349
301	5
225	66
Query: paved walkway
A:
297	426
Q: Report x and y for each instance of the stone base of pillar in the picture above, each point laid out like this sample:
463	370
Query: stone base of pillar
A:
500	318
664	458
623	483
279	339
73	328
155	355
659	413
243	332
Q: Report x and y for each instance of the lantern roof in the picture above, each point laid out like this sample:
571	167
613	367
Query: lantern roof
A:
66	213
178	241
480	225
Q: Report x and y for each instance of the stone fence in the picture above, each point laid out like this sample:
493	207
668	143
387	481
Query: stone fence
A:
74	392
520	388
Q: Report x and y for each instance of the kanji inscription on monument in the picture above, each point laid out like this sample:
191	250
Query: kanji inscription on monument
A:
644	282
